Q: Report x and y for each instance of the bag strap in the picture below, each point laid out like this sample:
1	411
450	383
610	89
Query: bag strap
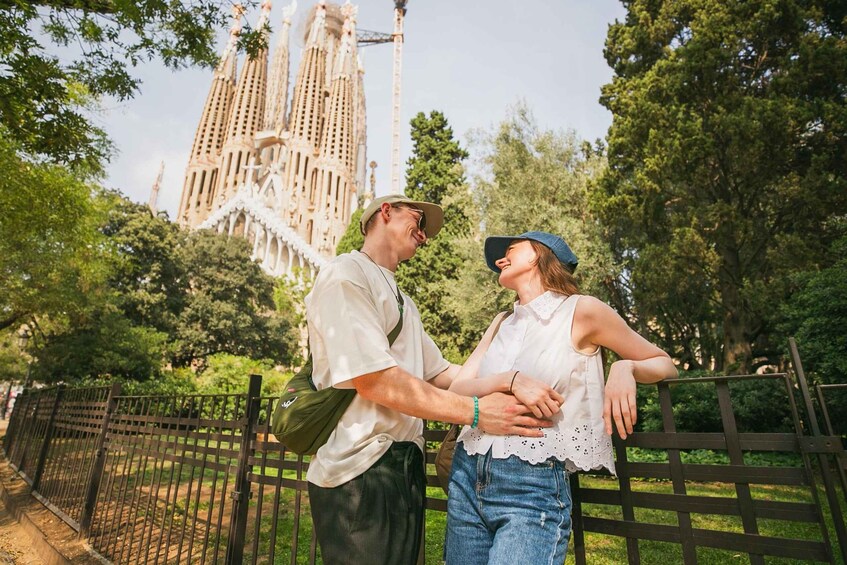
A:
392	335
401	302
497	327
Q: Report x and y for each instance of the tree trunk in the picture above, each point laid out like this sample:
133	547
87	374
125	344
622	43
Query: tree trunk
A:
737	353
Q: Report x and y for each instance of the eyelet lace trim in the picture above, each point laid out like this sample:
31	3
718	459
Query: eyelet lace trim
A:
580	447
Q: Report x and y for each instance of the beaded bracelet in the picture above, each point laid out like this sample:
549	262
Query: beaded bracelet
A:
475	412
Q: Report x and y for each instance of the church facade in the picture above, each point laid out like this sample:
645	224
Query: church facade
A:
287	179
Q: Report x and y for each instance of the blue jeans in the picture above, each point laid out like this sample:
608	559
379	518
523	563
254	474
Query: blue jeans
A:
507	511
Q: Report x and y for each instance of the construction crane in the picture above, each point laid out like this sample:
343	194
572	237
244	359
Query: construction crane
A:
365	38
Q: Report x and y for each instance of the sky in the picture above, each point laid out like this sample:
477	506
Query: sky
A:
470	59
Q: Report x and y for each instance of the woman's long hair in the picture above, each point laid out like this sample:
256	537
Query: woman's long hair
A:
554	275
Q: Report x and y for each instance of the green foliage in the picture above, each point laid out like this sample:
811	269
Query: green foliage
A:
431	170
169	297
290	300
531	179
816	316
759	405
12	362
177	382
50	253
727	155
435	174
352	238
44	97
230	303
108	345
229	374
710	457
147	274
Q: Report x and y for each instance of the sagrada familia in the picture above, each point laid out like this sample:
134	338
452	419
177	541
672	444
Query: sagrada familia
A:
285	180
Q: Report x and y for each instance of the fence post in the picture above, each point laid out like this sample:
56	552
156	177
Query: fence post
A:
99	464
241	494
33	424
48	435
829	484
9	439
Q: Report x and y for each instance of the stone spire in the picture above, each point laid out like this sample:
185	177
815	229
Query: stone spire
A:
202	171
307	105
337	146
277	101
245	119
360	124
301	175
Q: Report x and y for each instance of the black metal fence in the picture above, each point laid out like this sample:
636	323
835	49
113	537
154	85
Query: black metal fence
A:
199	479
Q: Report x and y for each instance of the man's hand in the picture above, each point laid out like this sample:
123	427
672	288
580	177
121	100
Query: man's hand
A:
619	399
540	398
503	414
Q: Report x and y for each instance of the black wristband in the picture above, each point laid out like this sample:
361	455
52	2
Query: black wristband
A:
513	381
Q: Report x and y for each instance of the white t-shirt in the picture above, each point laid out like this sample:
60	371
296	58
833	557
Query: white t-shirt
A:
350	311
536	339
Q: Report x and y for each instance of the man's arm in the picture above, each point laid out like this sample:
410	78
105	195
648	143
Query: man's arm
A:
445	378
499	414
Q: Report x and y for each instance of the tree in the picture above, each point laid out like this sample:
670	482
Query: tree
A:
816	316
531	179
50	252
104	344
44	96
352	238
167	296
727	155
229	306
147	273
434	174
431	170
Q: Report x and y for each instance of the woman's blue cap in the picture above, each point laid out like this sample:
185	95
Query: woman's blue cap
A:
496	246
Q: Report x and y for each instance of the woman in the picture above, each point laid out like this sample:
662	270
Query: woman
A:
509	496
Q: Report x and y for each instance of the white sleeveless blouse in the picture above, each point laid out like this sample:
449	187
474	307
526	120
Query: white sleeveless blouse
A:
536	340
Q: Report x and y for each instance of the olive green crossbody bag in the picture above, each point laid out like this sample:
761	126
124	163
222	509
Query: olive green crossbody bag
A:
305	417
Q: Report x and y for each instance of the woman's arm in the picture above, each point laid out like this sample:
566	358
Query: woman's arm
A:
541	399
597	325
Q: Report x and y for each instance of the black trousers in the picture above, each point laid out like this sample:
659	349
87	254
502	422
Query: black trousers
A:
376	518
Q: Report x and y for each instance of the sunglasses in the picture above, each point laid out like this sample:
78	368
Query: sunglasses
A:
419	214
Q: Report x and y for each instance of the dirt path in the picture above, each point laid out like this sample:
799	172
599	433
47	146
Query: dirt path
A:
15	544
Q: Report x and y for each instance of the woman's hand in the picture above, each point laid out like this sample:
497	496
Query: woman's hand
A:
541	399
619	399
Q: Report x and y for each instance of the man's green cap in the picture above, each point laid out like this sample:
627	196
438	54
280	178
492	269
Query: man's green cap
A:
433	212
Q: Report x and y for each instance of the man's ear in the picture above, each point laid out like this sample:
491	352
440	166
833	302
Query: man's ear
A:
384	209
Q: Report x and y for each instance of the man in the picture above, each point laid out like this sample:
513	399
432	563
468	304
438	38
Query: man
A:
367	483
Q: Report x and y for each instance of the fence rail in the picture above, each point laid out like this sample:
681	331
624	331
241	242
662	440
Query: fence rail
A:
201	479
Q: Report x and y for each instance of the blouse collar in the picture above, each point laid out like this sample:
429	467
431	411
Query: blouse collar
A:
542	306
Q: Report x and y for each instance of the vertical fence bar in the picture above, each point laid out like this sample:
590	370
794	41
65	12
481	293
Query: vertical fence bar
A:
840	458
99	463
241	495
736	457
686	533
829	484
9	439
33	429
48	433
